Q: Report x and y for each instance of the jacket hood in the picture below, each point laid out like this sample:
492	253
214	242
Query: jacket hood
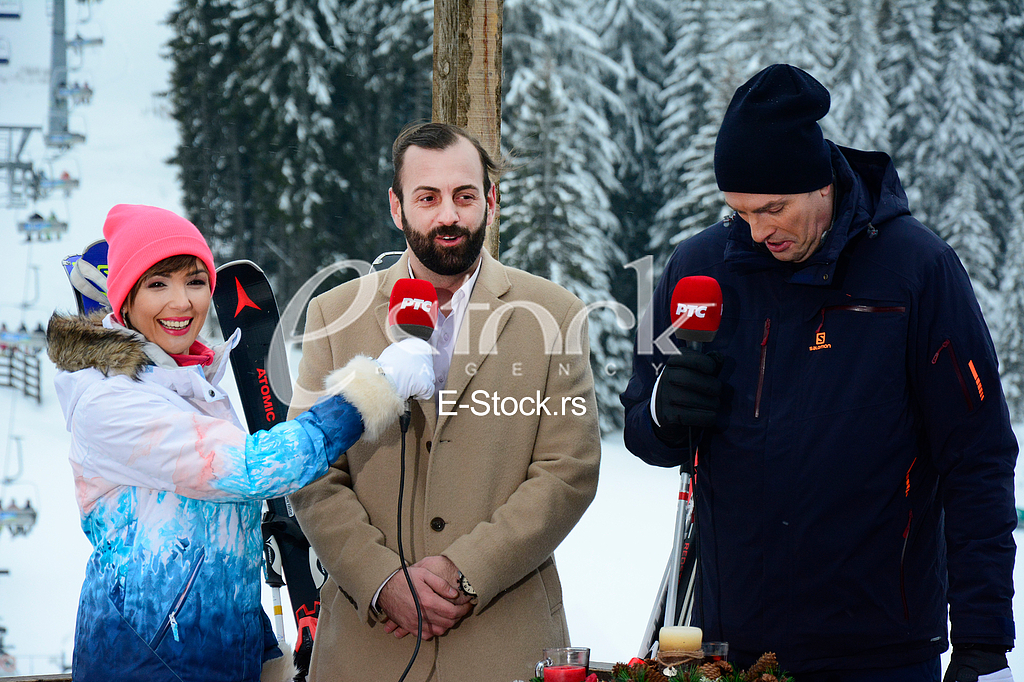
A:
871	189
869	194
98	341
76	342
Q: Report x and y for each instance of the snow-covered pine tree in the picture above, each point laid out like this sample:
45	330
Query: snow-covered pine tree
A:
1010	339
970	168
385	84
860	109
287	112
293	47
204	51
692	102
910	66
556	214
633	35
1011	336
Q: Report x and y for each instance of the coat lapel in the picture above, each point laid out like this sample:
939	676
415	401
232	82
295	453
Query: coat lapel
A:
469	357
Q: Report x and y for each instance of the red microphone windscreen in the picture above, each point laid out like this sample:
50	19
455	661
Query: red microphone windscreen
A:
412	308
696	308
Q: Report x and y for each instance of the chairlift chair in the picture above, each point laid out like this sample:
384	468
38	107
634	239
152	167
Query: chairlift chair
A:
78	42
43	229
10	9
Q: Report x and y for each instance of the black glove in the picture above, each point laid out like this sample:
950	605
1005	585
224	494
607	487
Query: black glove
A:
968	661
686	395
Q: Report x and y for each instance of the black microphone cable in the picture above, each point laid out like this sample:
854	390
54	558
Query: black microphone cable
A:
403	422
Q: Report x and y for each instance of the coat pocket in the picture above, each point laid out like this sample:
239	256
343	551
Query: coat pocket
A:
850	357
947	349
552	585
170	620
903	559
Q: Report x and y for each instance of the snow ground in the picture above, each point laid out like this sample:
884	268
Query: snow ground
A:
611	564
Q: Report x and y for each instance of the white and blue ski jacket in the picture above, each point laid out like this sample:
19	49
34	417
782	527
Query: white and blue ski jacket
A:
169	487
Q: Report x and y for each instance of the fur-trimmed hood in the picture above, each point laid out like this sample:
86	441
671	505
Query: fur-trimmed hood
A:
76	342
97	341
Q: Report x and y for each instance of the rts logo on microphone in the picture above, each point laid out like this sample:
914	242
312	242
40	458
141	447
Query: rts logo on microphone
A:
688	310
416	304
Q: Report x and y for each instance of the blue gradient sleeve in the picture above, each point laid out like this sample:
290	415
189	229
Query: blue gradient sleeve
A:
277	462
338	422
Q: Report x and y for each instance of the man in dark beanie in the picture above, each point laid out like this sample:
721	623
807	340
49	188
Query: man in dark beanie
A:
855	467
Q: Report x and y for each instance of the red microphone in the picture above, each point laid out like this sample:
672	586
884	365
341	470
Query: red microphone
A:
696	310
412	309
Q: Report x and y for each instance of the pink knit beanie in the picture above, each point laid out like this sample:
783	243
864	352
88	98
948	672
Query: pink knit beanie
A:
139	237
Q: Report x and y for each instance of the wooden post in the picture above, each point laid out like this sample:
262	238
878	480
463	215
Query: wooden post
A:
467	74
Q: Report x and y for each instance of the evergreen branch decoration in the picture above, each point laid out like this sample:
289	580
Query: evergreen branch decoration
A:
766	669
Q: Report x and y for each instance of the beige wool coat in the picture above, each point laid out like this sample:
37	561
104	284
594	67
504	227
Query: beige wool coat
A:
494	494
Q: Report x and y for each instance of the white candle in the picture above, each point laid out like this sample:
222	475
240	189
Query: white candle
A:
679	638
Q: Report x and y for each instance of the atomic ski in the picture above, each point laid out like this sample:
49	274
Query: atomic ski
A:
244	300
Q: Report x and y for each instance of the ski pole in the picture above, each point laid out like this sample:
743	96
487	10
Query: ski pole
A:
273	568
657	617
683	515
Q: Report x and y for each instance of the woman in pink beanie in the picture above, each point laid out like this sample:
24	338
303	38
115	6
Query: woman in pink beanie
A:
168	482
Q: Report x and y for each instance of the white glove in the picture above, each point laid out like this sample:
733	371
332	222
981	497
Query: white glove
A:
409	366
1003	675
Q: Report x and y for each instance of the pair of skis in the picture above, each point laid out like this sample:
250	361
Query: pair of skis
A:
244	300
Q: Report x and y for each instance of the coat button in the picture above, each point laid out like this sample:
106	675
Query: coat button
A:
437	524
428	446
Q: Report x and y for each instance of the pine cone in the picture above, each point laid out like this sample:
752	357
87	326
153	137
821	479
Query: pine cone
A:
620	668
654	673
651	670
711	671
725	666
767	677
764	664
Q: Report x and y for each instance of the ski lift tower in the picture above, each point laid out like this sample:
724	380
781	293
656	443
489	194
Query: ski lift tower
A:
15	171
58	136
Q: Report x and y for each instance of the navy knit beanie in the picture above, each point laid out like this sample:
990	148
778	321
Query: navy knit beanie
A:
770	141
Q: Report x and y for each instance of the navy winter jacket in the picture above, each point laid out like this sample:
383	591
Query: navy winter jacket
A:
863	451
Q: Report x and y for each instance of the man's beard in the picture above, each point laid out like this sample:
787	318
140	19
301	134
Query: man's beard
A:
446	260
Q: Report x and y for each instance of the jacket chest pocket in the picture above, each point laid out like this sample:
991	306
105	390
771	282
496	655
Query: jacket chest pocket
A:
853	356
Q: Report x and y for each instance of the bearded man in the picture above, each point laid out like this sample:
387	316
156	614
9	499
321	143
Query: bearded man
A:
502	463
